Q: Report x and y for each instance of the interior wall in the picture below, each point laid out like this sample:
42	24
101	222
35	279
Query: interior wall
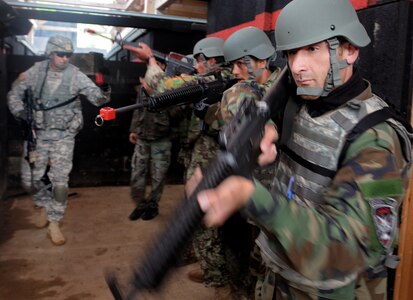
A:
3	127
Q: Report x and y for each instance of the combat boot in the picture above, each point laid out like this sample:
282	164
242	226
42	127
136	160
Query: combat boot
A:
223	293
56	236
40	219
150	213
196	275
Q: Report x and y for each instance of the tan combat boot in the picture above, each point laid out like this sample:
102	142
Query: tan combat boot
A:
56	236
40	219
223	293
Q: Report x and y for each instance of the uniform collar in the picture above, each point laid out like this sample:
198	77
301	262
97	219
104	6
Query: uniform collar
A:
356	87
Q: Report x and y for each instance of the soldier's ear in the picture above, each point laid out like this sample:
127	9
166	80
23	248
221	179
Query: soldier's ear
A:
350	52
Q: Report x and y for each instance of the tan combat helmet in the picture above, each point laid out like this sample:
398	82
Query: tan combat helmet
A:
59	43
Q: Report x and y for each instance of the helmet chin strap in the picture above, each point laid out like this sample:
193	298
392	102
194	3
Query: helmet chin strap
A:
253	75
208	68
333	79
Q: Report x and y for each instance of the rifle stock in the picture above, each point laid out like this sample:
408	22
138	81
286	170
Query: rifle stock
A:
239	157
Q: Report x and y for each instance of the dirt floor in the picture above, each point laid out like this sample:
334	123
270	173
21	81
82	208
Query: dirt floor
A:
100	237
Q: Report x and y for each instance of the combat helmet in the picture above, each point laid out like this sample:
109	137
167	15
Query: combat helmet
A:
306	22
248	41
59	43
209	47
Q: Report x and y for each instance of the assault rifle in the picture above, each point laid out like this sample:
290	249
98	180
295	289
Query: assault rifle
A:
240	140
184	95
174	66
29	127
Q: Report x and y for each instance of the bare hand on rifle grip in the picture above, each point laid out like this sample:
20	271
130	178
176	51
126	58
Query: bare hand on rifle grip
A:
234	192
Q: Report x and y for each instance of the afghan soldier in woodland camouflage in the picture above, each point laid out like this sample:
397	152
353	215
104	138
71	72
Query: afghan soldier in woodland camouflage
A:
330	222
151	134
57	117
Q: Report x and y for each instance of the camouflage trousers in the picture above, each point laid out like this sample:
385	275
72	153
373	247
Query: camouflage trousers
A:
207	242
155	155
59	156
204	149
220	251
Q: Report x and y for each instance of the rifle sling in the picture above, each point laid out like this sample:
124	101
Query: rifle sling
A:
289	113
42	107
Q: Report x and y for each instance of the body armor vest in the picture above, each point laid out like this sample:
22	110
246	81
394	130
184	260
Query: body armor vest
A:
319	141
59	110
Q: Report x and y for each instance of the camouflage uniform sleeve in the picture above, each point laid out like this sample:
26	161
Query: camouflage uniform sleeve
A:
85	86
16	94
234	97
343	235
159	82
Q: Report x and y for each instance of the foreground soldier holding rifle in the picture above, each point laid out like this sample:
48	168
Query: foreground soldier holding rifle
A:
239	157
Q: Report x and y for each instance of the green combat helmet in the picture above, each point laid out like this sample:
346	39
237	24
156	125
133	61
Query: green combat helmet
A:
306	22
59	43
247	42
210	47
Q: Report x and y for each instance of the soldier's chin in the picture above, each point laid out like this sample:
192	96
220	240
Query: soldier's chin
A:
61	66
309	97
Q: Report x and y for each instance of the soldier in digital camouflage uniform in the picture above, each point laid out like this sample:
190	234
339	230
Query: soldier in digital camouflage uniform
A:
150	132
331	218
57	111
209	55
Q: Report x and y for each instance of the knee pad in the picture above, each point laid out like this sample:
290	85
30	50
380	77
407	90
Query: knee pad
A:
60	193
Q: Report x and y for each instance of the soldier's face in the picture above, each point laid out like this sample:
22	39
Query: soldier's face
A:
240	69
60	60
310	65
203	65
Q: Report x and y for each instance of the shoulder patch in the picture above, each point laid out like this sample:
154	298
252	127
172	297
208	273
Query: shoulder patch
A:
384	215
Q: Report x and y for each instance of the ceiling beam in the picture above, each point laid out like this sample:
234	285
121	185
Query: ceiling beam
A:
107	17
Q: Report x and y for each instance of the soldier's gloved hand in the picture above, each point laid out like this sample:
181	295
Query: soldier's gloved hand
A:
102	80
21	115
201	108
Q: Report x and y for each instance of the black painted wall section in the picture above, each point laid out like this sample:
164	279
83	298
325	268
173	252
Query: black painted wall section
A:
387	60
3	126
